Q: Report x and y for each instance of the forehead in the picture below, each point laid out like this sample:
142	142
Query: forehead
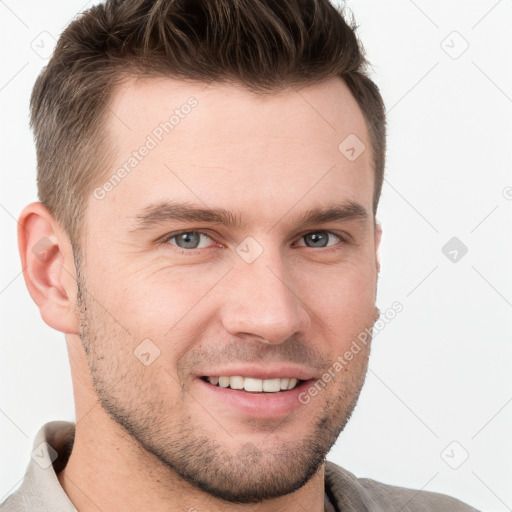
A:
224	146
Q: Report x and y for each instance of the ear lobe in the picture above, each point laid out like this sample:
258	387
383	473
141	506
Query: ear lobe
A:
378	237
48	267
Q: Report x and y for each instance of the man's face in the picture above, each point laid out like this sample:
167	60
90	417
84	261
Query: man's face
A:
267	296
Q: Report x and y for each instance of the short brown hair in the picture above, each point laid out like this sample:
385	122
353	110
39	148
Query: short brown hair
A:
264	45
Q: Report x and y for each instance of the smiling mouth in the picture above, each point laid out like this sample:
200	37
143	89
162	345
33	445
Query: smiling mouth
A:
252	385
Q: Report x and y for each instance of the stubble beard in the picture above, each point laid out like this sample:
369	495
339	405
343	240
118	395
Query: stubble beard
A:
245	474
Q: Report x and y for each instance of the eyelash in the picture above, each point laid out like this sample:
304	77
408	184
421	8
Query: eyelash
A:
167	238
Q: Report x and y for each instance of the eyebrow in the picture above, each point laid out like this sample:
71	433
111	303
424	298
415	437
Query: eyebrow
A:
167	211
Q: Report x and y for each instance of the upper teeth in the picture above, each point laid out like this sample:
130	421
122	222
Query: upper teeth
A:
254	385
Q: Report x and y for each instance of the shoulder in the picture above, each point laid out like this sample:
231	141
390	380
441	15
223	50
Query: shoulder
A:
368	495
14	503
40	489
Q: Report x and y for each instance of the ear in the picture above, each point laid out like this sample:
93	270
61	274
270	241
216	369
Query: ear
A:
48	267
378	236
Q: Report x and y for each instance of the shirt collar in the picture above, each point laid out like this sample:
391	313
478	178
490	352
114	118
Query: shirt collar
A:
41	490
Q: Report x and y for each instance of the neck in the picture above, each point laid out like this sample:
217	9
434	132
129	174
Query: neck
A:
109	471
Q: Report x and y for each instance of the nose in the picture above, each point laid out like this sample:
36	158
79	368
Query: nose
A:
261	302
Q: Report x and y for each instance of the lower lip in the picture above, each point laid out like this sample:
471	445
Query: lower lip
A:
257	405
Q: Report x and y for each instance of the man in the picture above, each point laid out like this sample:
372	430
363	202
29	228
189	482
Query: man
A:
209	175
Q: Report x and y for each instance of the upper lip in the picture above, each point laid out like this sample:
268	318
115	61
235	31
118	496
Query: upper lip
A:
282	371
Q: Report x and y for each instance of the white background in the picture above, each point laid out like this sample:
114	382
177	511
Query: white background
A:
441	370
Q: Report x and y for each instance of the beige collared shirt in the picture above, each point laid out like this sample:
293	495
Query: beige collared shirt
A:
41	491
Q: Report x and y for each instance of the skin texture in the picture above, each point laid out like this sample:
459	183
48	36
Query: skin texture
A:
152	431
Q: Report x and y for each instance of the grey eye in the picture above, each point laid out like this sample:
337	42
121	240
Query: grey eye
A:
188	240
317	239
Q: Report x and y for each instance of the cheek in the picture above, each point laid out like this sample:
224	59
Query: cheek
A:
342	296
168	307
